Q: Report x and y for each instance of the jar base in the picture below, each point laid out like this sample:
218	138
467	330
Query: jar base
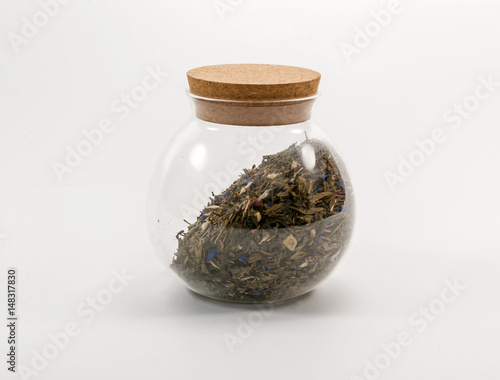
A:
253	301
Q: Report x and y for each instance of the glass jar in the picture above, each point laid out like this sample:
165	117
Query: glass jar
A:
250	202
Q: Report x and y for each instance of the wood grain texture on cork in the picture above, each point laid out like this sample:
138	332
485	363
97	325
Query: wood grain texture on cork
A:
253	82
253	94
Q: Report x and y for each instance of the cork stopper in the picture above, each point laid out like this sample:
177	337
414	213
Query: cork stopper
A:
253	94
253	82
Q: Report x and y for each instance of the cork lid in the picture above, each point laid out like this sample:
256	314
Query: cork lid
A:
253	82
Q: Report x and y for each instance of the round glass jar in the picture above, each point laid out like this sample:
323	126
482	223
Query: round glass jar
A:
250	202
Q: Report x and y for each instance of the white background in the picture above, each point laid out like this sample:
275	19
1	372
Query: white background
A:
67	237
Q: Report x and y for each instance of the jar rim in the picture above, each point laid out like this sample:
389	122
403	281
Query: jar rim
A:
253	102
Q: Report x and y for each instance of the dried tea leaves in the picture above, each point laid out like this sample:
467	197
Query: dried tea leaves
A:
273	234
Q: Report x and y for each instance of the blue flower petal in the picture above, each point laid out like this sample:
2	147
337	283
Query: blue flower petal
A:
259	293
211	255
340	184
243	260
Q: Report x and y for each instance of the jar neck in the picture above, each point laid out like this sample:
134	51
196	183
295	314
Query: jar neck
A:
253	113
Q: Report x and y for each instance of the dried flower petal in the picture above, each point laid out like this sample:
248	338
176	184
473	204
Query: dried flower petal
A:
290	242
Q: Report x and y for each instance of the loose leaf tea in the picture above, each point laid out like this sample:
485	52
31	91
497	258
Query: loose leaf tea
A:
276	231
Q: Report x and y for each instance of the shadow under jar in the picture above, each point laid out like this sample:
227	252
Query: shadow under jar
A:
250	202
